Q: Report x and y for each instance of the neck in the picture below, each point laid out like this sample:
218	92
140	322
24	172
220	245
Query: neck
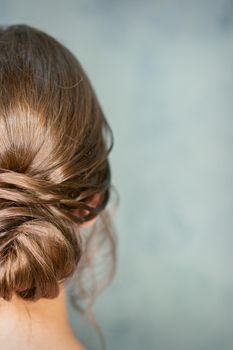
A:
36	325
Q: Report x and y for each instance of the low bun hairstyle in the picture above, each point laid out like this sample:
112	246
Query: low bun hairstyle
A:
54	147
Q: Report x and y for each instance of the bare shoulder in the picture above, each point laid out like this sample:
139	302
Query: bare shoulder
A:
75	345
66	343
78	347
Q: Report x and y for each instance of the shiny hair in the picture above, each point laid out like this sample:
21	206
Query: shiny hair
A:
54	147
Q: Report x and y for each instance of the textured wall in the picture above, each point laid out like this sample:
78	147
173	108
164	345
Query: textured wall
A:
163	72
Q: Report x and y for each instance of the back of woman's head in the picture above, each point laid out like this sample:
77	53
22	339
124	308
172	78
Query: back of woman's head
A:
53	161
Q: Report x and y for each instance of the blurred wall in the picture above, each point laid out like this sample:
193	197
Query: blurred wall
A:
163	73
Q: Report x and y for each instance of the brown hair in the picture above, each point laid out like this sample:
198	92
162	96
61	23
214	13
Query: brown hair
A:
54	147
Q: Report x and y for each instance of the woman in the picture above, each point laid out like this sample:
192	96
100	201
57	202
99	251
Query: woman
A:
54	182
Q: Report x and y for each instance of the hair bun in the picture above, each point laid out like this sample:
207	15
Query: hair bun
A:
39	247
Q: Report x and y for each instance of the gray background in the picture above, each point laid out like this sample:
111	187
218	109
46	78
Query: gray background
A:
163	72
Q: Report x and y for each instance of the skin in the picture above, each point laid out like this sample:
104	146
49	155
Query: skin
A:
47	327
40	325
